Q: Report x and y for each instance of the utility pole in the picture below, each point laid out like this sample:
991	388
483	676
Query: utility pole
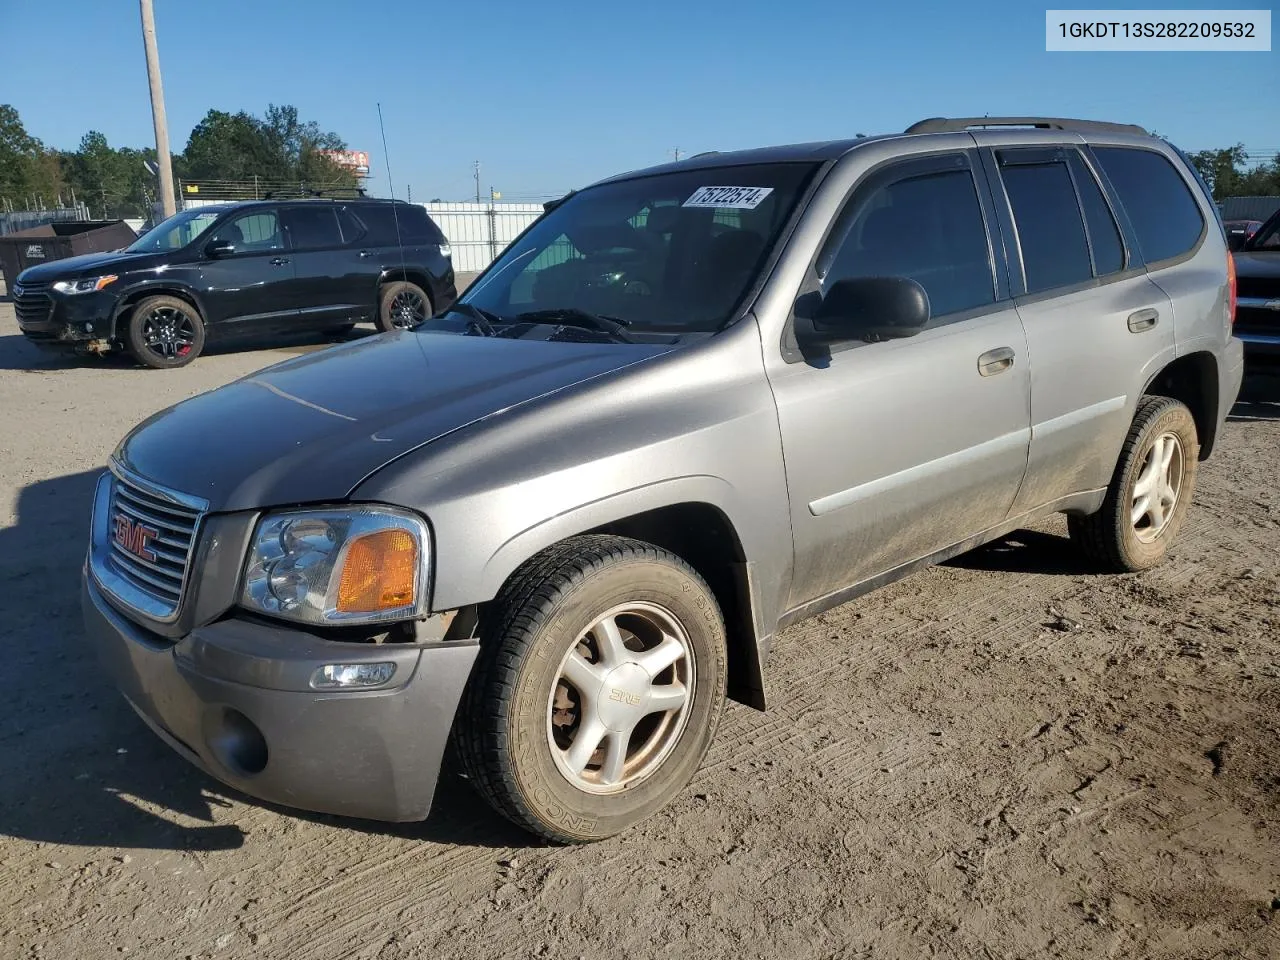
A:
163	157
677	153
477	165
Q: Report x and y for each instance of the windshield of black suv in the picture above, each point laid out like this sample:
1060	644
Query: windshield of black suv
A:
175	232
1268	235
668	254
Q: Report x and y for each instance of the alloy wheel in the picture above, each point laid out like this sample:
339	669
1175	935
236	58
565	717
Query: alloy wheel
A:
621	698
168	333
1155	492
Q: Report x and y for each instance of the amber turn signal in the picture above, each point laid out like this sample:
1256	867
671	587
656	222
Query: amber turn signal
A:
380	573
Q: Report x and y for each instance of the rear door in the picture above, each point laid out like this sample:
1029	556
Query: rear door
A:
1097	327
327	285
251	290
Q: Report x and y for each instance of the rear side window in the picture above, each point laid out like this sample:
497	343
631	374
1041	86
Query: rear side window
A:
1055	252
929	228
1104	234
1159	202
411	222
312	227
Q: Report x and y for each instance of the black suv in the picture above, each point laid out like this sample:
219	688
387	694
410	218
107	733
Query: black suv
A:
251	268
1257	262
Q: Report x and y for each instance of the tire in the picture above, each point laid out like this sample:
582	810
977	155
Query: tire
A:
520	717
164	333
402	305
1112	537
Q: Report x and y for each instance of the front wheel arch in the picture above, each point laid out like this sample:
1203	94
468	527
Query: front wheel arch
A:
668	515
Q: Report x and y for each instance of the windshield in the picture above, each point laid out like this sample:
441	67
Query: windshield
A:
176	232
1268	235
668	254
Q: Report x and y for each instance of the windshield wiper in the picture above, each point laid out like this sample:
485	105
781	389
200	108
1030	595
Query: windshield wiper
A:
616	327
481	320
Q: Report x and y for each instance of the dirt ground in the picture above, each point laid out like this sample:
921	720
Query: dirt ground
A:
1004	757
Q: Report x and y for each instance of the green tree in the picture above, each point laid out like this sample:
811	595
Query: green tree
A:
1227	174
27	169
275	147
113	181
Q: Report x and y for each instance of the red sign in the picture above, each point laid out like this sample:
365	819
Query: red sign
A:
357	160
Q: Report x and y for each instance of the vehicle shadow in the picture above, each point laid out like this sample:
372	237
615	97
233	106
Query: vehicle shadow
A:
1026	551
80	768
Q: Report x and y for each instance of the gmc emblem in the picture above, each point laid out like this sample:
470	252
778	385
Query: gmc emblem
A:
134	537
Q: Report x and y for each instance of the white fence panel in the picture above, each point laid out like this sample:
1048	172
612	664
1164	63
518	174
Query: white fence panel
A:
478	232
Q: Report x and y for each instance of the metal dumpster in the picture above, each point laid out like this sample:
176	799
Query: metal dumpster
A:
56	241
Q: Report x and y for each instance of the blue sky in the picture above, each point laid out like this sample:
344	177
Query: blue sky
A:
550	96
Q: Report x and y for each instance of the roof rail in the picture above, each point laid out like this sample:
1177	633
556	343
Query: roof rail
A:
705	153
954	124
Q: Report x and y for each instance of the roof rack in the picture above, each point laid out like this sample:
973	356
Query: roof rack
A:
961	124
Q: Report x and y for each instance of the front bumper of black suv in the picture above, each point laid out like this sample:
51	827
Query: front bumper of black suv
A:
49	318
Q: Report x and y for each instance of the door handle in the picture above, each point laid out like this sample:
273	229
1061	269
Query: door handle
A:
279	261
1141	320
995	361
365	253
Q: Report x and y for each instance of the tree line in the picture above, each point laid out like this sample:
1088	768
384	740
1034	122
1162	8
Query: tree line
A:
115	181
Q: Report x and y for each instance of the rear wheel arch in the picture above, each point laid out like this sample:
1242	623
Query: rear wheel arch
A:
408	274
1193	380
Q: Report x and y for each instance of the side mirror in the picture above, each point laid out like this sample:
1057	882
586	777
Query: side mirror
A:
216	249
868	308
1236	241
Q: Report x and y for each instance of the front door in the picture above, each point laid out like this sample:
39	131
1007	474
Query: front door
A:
250	290
898	449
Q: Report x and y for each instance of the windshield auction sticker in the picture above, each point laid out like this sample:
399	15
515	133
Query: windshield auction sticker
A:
1158	30
728	198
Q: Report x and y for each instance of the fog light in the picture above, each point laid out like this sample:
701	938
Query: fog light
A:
334	676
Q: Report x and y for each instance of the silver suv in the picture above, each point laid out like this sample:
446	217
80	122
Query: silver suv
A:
561	521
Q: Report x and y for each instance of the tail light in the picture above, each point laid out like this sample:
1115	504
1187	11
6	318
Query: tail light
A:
1231	288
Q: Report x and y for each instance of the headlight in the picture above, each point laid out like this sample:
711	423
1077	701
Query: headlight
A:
338	566
446	250
85	286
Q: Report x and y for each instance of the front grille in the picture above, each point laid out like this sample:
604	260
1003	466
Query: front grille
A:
31	303
1267	288
152	533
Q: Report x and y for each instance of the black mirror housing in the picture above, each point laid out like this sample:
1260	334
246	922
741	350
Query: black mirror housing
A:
216	249
869	308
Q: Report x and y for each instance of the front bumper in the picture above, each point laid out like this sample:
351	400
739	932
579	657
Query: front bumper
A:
234	699
57	320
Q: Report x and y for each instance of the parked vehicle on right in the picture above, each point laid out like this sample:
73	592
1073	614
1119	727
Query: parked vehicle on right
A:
1239	231
1258	286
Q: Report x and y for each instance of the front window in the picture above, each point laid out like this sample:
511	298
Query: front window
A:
663	255
175	232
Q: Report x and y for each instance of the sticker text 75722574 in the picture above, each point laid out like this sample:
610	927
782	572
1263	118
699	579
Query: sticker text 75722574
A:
730	198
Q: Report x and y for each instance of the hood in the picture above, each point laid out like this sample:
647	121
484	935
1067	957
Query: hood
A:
88	265
312	428
1258	263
